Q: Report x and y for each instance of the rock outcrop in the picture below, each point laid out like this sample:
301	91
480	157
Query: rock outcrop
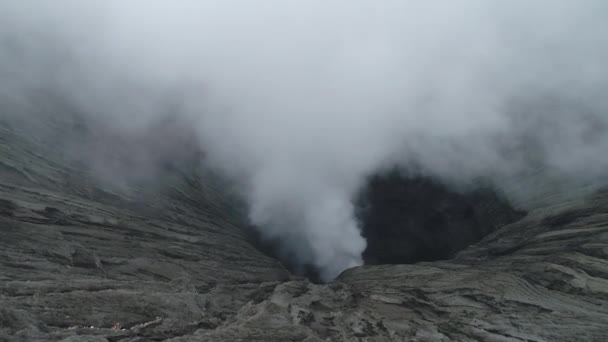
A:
80	261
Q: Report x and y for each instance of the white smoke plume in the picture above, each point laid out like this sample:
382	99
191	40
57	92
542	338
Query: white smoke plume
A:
299	101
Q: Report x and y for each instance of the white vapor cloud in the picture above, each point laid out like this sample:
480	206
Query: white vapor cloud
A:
300	101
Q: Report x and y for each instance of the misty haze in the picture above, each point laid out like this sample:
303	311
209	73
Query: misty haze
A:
303	170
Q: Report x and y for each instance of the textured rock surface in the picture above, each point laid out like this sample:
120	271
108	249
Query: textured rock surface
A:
75	254
84	262
542	279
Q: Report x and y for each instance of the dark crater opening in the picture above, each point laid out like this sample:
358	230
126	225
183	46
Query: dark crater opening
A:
279	250
407	219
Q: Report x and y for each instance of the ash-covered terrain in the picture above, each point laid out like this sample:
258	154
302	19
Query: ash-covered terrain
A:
87	260
344	170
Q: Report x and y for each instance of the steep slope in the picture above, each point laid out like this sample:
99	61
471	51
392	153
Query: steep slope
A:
161	253
78	252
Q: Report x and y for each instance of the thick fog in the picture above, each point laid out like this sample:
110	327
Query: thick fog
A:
299	101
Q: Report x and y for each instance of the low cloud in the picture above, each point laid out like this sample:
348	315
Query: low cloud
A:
299	102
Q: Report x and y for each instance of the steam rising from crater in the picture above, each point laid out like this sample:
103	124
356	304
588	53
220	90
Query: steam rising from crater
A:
299	101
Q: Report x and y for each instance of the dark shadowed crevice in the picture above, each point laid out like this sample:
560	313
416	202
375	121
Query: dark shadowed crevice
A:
410	219
407	219
279	250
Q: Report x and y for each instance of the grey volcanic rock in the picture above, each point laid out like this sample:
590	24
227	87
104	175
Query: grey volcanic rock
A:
77	256
169	258
544	278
